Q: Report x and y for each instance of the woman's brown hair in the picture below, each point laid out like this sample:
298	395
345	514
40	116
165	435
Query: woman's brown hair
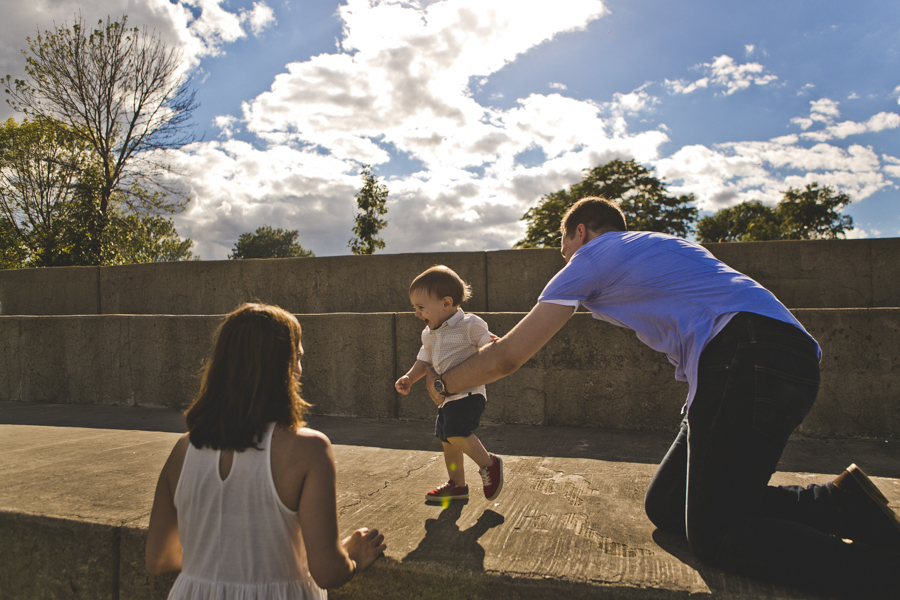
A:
249	381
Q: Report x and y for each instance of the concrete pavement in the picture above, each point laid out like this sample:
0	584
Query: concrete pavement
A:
78	484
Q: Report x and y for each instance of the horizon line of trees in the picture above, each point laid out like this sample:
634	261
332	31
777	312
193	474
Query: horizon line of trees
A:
810	213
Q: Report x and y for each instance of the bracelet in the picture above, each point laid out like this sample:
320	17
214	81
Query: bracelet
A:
352	571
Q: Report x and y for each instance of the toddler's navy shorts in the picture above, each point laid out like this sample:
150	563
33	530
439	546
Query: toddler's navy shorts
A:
459	418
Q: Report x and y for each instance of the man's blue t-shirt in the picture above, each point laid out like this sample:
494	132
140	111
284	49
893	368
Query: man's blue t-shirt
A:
673	293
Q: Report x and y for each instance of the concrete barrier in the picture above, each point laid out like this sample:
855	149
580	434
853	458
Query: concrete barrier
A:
805	274
590	374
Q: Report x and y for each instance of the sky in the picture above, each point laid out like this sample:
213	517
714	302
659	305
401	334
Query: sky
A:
471	110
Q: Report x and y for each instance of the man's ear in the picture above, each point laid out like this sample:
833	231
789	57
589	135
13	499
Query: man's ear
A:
581	232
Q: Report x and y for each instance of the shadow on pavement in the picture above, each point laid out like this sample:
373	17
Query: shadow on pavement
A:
879	458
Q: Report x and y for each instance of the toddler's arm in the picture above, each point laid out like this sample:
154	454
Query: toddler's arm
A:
415	373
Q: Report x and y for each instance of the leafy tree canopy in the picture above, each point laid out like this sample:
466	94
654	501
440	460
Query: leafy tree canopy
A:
269	243
808	214
371	200
50	206
83	182
119	91
643	199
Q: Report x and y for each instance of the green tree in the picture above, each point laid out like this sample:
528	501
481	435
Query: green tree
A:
119	91
371	201
50	207
269	243
12	252
811	213
746	221
814	213
40	163
643	198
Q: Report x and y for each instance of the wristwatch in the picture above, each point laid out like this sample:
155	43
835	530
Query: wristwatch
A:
440	388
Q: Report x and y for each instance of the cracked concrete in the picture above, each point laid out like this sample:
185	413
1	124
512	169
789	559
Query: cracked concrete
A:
79	482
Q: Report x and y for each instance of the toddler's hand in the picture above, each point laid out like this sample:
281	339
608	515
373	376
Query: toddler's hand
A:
402	385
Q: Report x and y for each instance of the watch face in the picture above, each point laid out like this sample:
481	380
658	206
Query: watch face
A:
439	386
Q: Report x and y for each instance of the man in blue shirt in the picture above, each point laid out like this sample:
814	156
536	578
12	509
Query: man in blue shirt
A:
753	375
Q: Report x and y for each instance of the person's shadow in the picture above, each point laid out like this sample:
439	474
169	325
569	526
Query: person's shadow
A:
445	543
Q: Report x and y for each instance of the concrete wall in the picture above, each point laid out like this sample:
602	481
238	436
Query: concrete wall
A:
47	557
590	374
809	274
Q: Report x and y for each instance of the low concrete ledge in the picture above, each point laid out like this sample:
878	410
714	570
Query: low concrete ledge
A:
803	274
75	503
590	374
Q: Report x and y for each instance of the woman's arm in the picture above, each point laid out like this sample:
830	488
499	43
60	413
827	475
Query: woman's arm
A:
331	562
163	551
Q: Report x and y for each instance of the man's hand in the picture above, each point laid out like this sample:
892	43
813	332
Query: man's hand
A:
430	376
403	385
504	356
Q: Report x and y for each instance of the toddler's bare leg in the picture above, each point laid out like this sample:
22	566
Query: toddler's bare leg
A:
473	449
453	458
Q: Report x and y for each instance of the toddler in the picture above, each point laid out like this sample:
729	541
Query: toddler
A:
451	336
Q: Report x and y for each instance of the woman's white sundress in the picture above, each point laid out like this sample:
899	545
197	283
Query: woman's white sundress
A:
239	541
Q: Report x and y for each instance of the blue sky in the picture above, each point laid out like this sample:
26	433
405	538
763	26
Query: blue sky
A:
471	110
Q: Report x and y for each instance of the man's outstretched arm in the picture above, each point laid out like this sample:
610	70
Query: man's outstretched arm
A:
507	354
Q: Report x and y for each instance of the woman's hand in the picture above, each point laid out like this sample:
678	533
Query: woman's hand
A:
364	546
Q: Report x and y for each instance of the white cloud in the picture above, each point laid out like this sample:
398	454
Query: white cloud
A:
826	111
804	122
681	86
226	123
728	174
892	165
196	35
399	82
237	188
748	49
859	234
723	72
260	17
733	77
634	102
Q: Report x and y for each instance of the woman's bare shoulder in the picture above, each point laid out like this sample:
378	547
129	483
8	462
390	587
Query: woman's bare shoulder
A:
305	441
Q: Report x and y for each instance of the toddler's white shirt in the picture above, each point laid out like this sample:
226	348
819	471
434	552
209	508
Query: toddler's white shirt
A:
458	338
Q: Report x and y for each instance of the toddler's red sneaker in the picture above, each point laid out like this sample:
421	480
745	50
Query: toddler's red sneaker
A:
492	477
448	491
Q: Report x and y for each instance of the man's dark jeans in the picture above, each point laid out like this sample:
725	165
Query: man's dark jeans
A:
758	378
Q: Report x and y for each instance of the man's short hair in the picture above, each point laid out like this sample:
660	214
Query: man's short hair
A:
594	213
440	281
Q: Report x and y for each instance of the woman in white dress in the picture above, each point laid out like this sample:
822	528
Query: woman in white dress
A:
245	506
